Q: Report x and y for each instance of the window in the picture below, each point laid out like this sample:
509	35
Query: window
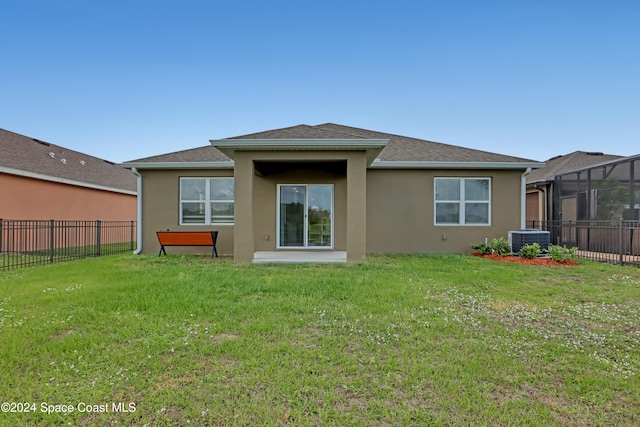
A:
462	201
206	200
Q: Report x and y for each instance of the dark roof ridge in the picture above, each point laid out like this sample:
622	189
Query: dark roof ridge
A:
288	128
248	135
588	153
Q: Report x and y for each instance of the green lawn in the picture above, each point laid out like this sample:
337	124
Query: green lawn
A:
402	340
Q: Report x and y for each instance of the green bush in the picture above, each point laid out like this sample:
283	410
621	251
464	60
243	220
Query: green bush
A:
497	246
483	248
500	246
561	253
530	251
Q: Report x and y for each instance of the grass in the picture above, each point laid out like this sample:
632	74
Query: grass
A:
399	340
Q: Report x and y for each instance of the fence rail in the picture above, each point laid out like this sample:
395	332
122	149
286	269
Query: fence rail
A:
613	241
25	243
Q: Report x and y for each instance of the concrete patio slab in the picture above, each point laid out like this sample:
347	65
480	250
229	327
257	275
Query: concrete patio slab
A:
264	257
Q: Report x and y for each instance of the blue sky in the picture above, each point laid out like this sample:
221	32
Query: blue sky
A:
123	80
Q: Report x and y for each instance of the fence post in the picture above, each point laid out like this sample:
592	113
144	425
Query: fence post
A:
573	235
98	222
52	237
130	236
1	235
621	242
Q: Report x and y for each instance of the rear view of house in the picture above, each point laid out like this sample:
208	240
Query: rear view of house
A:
331	188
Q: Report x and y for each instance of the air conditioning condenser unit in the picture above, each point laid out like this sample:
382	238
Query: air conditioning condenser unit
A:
520	238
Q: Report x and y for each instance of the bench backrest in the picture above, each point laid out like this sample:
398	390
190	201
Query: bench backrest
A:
187	238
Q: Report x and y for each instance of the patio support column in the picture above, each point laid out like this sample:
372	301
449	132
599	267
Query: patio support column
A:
243	243
356	207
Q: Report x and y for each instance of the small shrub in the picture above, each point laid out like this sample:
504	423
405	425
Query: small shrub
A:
482	248
500	246
561	253
530	251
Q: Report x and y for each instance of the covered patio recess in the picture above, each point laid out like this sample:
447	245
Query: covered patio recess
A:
300	200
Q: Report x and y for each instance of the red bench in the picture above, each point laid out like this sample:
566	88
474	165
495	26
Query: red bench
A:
187	238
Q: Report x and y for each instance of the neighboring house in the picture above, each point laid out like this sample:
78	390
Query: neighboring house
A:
540	182
604	191
331	188
40	180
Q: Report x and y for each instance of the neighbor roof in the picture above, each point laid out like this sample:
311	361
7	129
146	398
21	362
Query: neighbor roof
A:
26	156
566	163
399	149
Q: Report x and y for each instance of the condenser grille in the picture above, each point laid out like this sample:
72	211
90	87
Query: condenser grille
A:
520	238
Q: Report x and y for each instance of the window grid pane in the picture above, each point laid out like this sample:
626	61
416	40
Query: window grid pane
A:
476	189
476	213
192	189
447	189
193	213
221	189
222	212
448	213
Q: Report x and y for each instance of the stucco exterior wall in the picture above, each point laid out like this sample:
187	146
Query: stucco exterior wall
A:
398	206
161	211
29	198
400	211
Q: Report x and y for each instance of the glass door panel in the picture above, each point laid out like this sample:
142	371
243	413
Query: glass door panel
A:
319	214
292	215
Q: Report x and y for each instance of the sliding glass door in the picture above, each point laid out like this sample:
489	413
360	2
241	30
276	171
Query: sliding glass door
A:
305	216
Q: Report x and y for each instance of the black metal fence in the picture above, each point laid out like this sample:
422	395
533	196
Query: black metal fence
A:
25	243
613	241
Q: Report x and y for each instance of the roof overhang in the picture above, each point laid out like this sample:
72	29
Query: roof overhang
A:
372	147
177	165
382	164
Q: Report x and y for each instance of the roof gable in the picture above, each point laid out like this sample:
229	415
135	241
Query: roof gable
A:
22	155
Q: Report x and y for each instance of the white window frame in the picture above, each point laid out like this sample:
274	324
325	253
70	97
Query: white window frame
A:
207	201
461	202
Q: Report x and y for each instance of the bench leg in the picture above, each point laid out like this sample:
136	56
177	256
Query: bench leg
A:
214	251
161	251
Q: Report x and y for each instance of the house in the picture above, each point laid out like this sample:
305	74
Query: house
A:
606	191
540	182
40	180
331	188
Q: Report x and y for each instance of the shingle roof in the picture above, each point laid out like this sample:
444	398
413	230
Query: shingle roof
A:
19	153
400	148
207	153
566	163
